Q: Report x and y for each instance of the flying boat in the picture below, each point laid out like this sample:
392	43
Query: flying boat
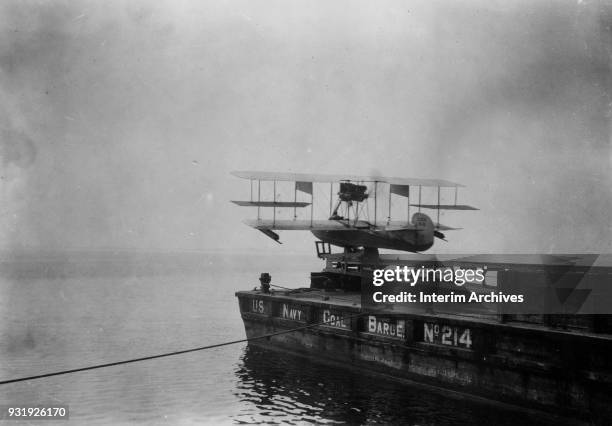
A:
350	223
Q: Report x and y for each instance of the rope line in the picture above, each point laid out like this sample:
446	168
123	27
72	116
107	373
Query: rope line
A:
168	354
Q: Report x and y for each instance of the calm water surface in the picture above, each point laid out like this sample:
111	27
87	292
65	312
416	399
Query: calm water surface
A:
64	311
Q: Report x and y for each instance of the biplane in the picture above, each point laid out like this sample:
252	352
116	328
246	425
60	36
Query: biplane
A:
350	223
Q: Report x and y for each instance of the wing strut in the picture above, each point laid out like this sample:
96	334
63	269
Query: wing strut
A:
375	199
408	214
419	198
438	221
311	205
258	199
389	214
274	210
295	201
331	196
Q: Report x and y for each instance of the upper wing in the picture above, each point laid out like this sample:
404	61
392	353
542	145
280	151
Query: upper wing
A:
305	177
445	206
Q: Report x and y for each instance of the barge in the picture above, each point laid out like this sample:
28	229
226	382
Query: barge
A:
559	362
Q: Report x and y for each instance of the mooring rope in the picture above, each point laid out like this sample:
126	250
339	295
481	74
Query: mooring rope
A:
168	354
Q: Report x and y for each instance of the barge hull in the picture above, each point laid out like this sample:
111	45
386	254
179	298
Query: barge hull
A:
561	371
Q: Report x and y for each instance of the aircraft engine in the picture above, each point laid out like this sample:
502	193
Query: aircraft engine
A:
352	192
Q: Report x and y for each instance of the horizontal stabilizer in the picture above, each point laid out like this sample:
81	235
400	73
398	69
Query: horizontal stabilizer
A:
271	203
445	206
445	228
399	228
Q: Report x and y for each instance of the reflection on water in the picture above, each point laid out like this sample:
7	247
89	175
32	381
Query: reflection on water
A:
284	388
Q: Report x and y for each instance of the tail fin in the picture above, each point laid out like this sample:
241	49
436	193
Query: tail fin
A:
425	228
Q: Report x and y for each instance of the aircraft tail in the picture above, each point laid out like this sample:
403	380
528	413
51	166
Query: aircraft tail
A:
425	228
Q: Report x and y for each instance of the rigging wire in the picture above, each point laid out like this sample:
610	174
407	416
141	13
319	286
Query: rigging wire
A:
168	354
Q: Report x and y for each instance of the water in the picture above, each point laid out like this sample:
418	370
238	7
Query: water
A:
69	310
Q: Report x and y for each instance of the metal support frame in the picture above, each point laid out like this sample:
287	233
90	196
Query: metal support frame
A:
348	212
323	249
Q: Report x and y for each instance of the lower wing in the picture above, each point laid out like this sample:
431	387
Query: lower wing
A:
269	226
306	225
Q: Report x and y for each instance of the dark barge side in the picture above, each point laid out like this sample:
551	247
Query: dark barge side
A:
561	363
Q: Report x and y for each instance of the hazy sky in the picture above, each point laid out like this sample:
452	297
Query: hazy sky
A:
120	121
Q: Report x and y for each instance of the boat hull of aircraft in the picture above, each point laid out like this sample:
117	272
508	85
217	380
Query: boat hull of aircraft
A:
406	240
415	237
